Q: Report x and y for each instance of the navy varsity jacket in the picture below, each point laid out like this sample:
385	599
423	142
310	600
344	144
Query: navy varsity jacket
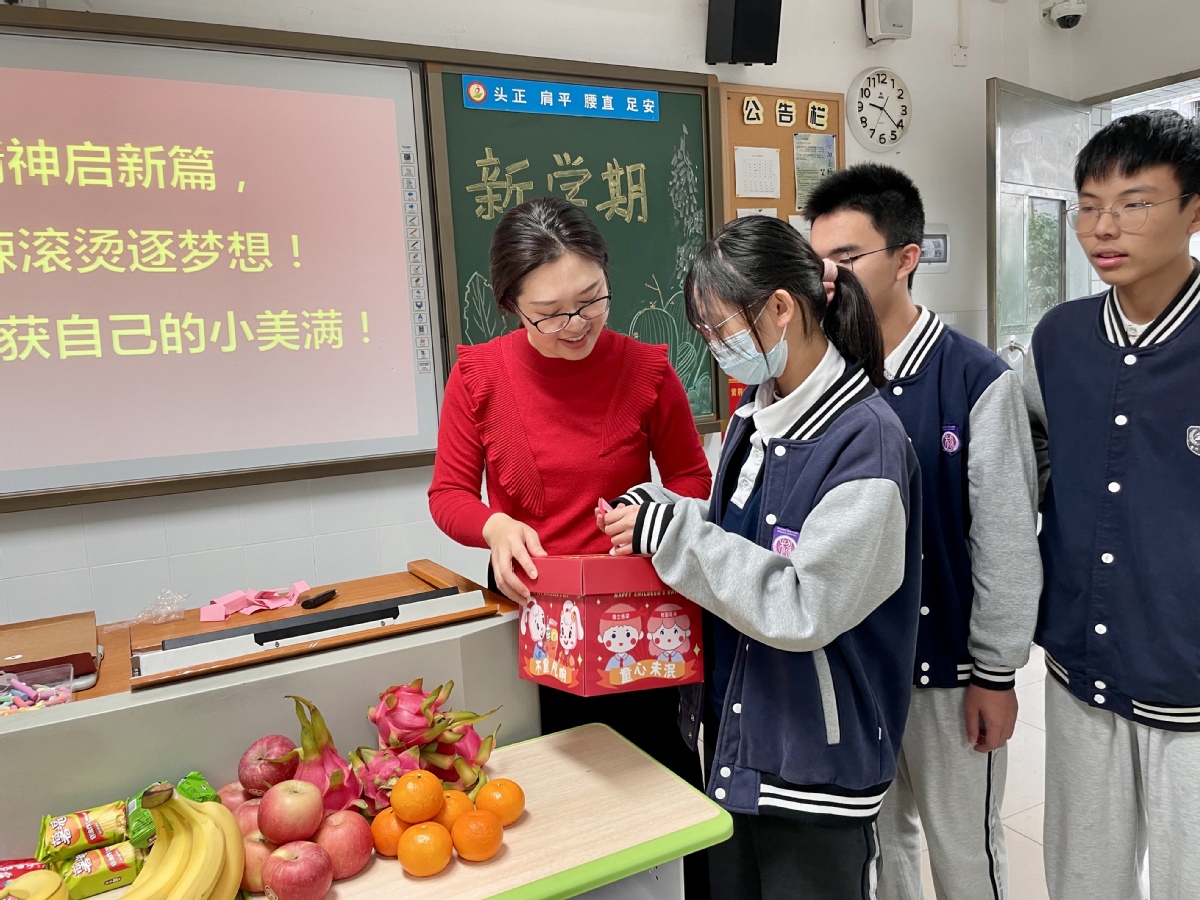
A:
826	600
981	576
1117	424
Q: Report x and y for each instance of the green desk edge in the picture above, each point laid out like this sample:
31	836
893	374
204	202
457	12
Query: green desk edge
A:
624	863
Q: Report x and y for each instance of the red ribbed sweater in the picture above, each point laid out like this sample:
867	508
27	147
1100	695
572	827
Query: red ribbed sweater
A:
554	435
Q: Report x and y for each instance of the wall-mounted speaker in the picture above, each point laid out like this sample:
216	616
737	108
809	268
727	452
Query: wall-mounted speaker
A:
887	20
743	31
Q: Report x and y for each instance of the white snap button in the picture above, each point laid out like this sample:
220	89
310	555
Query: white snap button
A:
1100	685
725	771
924	610
747	648
924	667
1101	629
771	519
1122	420
924	679
737	708
897	390
781	451
1099	698
719	793
1107	558
1114	487
1130	359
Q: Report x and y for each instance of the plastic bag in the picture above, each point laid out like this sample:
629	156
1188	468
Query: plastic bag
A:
168	607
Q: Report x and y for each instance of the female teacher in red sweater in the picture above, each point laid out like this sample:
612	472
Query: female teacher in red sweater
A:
559	413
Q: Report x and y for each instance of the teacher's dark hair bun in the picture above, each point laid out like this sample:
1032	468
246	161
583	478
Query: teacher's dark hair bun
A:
535	233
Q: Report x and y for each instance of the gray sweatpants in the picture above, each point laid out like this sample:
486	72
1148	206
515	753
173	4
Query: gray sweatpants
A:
1114	789
955	793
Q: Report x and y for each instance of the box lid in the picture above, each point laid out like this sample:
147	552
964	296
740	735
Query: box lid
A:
47	642
593	575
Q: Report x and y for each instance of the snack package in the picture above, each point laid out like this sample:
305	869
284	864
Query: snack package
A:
105	869
15	868
65	837
140	824
196	788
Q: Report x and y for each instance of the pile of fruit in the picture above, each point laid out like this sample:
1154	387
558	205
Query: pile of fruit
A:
424	824
297	819
310	816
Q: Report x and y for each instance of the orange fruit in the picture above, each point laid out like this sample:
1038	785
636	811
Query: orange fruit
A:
424	849
386	830
417	796
504	797
477	835
454	804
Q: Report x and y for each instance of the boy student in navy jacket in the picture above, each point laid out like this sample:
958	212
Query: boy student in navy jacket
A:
808	554
1114	394
981	576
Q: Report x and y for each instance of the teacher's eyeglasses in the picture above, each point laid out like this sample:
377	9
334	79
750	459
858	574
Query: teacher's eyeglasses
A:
593	309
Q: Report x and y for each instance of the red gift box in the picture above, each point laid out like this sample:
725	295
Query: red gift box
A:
607	624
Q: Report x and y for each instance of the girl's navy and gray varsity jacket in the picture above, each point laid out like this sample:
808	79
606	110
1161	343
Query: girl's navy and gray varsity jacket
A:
1117	427
981	576
825	599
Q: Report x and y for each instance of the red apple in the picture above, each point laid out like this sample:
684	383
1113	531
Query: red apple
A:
298	871
291	811
232	796
258	849
247	816
258	773
347	837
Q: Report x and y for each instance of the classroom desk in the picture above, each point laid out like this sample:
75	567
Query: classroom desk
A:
597	811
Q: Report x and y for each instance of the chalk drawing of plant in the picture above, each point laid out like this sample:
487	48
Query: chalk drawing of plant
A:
689	212
690	357
481	318
664	321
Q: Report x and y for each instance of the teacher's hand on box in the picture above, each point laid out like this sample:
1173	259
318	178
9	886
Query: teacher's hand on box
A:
618	525
512	543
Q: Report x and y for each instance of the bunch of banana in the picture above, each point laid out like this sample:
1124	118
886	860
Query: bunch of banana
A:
41	885
197	853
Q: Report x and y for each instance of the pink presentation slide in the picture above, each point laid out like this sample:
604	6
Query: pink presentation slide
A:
193	268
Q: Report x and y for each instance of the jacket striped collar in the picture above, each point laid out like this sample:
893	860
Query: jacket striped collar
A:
1186	302
853	387
912	352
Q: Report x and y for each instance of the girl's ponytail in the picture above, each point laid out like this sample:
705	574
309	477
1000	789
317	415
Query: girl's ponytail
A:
852	328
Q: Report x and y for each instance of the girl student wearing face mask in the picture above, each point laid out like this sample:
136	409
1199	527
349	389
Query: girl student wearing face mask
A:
808	555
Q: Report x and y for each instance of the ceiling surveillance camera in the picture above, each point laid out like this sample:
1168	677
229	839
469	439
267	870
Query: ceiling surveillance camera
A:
1062	13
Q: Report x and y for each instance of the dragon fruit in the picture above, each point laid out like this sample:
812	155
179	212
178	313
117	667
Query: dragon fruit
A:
408	716
460	764
378	771
320	763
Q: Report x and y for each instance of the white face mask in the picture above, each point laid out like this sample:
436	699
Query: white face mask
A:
742	361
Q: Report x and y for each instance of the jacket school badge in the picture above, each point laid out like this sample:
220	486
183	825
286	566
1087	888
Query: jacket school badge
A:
1193	439
783	540
951	441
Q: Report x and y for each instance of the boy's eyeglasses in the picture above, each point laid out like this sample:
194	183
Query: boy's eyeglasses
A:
593	309
1126	216
847	262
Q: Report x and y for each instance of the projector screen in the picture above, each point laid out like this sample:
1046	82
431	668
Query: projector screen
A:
210	261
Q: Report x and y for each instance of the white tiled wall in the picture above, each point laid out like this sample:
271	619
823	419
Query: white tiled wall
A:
116	557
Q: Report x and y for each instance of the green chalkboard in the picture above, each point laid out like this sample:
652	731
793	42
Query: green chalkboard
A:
643	182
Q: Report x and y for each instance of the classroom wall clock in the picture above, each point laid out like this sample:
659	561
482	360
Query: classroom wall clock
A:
879	109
